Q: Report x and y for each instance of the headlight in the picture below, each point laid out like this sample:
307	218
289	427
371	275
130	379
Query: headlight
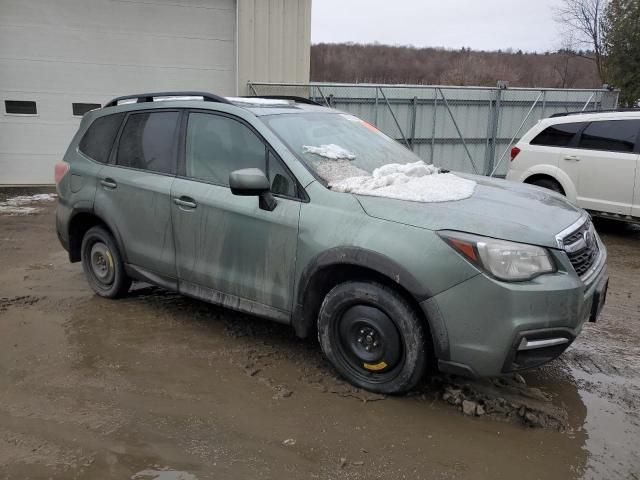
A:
504	260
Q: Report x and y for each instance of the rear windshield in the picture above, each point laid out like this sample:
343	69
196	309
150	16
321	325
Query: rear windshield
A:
337	145
99	138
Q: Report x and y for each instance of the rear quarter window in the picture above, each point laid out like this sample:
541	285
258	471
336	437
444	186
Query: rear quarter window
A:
560	135
98	140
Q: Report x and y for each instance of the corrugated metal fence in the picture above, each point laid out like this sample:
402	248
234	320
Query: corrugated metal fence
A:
469	129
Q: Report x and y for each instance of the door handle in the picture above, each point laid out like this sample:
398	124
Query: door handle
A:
186	202
108	183
571	158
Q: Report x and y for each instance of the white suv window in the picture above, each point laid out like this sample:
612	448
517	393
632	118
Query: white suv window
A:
559	135
611	135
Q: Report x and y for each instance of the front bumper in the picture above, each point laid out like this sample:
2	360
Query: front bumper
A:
485	327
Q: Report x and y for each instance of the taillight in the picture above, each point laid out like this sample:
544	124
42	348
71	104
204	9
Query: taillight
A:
514	153
59	171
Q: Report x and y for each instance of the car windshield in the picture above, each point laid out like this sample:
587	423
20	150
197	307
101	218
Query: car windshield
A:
337	145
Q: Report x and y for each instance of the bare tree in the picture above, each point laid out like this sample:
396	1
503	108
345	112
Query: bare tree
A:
582	20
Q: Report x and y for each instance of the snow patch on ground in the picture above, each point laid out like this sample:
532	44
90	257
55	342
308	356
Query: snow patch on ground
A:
416	182
163	474
21	205
330	151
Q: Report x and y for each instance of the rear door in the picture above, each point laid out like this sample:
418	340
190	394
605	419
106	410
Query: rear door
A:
607	159
553	146
227	248
134	190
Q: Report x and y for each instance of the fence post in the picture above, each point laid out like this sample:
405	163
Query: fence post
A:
375	112
433	125
494	117
413	120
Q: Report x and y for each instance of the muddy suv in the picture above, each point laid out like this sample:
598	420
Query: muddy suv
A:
312	217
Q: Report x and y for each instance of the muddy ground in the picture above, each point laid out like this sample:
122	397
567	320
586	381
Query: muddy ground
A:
156	386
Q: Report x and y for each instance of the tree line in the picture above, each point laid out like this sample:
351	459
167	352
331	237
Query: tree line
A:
374	63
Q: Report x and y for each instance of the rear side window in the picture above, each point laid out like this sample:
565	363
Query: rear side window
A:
611	135
148	142
98	139
558	135
218	145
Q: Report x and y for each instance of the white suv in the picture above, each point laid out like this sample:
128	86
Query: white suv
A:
592	158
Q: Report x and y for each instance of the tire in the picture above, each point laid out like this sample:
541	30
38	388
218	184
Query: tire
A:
356	315
548	183
102	263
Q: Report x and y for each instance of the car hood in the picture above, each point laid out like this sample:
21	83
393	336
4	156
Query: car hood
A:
497	208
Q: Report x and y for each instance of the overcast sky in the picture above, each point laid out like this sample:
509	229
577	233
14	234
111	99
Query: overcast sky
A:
479	24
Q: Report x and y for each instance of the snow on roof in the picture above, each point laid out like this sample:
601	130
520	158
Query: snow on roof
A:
259	101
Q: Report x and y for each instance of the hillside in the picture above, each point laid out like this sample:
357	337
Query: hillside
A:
357	63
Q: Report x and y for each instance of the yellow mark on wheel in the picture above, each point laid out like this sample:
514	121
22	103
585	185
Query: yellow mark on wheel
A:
108	253
375	367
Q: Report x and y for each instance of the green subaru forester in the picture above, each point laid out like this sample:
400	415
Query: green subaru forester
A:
233	201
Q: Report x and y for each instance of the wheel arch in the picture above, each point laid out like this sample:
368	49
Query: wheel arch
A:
79	224
339	265
554	173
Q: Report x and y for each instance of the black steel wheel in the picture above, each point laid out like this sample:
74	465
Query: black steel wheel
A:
373	337
102	263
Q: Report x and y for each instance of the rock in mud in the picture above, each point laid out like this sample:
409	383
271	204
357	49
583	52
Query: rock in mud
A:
469	407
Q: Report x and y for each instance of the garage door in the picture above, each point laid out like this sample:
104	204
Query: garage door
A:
57	54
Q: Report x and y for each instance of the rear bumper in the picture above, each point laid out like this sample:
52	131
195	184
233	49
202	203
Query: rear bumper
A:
483	327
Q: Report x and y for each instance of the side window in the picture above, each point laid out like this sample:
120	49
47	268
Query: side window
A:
282	183
148	142
218	145
559	135
611	135
99	137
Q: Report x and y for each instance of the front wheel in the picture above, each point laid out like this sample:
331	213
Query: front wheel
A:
102	264
373	337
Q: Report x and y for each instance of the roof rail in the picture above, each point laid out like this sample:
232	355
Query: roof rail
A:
609	110
287	97
149	97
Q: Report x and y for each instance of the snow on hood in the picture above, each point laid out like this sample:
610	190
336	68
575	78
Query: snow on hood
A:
21	205
330	151
416	182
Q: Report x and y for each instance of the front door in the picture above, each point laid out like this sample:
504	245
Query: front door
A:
227	248
134	192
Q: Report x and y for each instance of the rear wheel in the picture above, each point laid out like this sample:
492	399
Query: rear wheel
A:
548	183
102	264
373	337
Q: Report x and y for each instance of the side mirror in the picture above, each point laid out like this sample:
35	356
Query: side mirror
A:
252	182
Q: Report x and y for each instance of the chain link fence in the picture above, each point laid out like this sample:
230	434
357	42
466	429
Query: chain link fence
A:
468	129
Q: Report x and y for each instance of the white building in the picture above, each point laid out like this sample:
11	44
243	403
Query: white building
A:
61	57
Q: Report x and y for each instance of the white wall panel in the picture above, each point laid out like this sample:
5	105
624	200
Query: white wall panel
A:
89	51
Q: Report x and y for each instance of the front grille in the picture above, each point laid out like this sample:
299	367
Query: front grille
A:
582	248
